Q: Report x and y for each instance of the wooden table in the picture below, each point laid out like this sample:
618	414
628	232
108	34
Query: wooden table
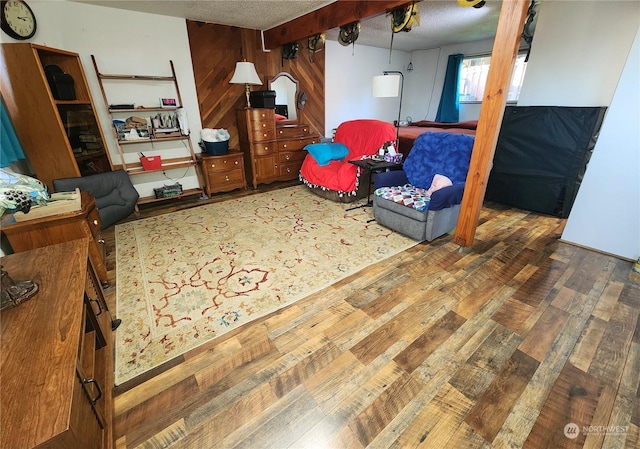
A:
44	231
57	354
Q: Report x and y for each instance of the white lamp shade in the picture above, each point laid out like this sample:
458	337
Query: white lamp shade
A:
245	74
386	86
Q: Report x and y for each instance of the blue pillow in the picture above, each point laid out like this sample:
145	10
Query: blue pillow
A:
324	153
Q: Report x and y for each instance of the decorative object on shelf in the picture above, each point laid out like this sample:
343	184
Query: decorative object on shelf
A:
15	293
388	85
150	162
18	19
168	103
168	191
246	74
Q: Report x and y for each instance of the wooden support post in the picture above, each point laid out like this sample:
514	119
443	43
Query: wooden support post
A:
503	56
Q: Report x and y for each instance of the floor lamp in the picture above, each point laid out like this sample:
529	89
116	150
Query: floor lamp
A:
390	84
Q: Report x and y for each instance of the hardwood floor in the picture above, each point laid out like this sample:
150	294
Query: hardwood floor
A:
502	345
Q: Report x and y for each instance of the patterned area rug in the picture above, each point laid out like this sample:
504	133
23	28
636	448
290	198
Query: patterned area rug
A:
188	277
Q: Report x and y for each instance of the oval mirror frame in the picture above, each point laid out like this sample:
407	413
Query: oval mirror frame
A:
286	87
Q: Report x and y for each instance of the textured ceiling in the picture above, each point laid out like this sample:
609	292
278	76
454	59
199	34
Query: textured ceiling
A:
442	22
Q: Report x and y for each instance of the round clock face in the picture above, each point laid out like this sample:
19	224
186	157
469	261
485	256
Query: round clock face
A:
18	20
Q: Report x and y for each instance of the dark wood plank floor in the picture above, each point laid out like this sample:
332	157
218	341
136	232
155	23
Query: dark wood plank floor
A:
502	345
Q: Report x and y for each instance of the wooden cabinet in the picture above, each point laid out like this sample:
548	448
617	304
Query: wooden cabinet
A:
223	173
273	151
43	231
57	354
61	138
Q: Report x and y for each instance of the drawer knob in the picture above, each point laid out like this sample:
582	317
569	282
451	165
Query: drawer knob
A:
288	170
284	146
213	165
288	157
236	162
226	178
101	241
264	125
95	222
264	135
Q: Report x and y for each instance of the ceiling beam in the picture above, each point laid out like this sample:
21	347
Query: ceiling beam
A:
337	14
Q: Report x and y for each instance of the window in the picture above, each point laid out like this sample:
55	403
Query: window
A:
473	78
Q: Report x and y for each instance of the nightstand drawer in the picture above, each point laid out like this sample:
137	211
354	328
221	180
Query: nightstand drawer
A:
227	177
223	163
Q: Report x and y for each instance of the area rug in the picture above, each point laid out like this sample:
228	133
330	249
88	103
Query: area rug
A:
187	277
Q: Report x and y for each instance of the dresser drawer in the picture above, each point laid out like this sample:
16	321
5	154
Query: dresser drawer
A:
261	115
290	156
292	131
261	134
295	144
263	148
290	170
222	163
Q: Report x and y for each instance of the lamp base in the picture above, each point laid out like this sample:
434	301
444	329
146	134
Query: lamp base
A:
248	92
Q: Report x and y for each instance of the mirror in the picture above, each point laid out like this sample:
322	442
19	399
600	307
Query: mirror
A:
286	88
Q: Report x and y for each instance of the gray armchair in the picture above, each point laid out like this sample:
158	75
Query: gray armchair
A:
113	191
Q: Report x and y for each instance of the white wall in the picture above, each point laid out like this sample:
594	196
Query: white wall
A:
427	79
348	77
125	42
578	51
348	82
606	213
577	58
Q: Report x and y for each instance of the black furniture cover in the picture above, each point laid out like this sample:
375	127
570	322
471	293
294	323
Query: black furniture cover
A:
541	156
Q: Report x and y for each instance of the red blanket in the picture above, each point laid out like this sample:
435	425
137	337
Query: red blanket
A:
362	137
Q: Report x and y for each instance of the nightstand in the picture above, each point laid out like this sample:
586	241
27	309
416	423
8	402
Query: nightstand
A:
224	172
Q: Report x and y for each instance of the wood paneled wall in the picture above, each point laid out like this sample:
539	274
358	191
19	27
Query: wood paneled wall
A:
215	49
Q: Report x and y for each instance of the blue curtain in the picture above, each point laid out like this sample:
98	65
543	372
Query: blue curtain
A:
449	107
10	148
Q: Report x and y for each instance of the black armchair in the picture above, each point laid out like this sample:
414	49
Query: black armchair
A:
113	191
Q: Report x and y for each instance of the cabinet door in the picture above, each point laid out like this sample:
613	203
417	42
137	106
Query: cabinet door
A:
266	168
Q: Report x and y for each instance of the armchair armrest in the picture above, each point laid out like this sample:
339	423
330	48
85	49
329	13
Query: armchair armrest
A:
446	197
390	178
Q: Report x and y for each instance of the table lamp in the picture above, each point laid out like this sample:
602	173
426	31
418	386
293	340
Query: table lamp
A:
246	74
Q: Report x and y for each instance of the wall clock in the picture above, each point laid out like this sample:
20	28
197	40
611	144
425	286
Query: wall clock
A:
17	19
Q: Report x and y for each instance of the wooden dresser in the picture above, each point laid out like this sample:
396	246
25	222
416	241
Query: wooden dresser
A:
272	151
43	231
224	172
57	354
